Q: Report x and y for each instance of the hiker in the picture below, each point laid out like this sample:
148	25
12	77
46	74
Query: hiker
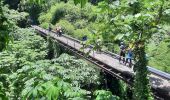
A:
129	57
49	27
98	45
59	31
84	40
122	52
56	30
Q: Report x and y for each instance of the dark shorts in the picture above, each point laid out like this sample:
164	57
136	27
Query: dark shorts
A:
122	53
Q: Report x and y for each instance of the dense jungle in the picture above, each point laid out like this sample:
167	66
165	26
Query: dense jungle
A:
36	68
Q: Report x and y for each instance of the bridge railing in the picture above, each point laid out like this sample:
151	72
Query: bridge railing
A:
151	69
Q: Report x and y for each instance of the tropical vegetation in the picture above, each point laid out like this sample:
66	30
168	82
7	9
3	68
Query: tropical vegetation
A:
33	67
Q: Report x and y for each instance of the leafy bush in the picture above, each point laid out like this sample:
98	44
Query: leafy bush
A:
80	24
45	25
88	12
78	71
160	56
105	95
72	13
45	18
31	48
67	27
27	75
79	33
58	14
54	14
67	11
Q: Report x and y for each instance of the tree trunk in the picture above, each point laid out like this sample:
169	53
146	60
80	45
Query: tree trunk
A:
141	86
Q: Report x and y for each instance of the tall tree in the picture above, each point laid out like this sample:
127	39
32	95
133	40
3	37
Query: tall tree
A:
4	25
139	20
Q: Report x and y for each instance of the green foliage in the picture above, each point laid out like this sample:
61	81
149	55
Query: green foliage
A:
80	24
23	65
77	71
2	92
68	13
79	33
141	88
133	21
81	2
159	55
45	18
43	82
45	25
13	4
27	75
53	15
58	14
105	95
16	18
31	48
19	54
34	9
157	49
9	19
4	26
68	28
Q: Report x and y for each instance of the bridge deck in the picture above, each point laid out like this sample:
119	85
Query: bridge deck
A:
156	81
99	56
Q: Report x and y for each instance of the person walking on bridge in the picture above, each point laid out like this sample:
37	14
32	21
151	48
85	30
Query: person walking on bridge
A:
98	44
49	27
129	57
84	38
58	31
122	52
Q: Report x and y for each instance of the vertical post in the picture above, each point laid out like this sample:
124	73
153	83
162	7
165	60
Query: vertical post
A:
67	41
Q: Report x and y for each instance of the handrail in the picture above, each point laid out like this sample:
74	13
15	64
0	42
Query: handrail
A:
67	36
150	69
159	72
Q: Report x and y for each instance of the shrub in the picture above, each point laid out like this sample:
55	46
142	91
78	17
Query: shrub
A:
54	14
80	24
59	13
158	58
45	18
45	25
67	27
72	13
79	33
105	95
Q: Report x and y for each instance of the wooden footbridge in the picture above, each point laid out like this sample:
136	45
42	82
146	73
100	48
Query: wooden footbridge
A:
107	61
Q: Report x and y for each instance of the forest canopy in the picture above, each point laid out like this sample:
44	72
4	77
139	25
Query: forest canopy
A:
33	67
